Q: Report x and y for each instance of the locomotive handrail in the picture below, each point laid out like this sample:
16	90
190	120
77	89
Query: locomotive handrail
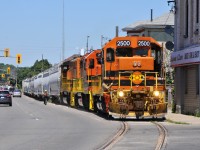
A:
120	77
145	78
156	74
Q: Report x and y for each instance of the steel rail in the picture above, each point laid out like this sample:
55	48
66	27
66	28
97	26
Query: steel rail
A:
108	145
162	139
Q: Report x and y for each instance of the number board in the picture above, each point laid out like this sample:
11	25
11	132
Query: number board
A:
123	43
144	43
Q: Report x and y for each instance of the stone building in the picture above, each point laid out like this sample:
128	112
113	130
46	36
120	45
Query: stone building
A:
186	56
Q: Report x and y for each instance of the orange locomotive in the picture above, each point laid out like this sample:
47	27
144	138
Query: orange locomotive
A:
123	79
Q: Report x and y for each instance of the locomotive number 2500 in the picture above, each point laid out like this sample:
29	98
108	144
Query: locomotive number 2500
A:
123	43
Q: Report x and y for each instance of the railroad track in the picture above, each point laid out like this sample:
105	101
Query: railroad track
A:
161	142
162	139
108	145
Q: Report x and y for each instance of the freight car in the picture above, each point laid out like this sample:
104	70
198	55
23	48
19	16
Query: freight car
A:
48	80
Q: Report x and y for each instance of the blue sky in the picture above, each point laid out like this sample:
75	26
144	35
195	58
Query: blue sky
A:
34	27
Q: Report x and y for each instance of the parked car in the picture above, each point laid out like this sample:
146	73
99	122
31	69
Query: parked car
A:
17	93
5	97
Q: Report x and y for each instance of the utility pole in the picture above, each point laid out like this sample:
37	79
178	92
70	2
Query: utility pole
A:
42	64
101	41
16	77
63	43
42	72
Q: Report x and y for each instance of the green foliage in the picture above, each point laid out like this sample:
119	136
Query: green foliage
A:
12	81
197	113
27	72
22	73
176	122
173	102
40	66
170	77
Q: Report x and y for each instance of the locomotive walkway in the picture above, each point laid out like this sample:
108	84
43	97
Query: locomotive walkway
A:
180	118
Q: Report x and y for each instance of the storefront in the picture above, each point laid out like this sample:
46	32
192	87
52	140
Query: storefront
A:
186	63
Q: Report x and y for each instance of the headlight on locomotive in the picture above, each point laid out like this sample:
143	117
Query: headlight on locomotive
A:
121	94
156	93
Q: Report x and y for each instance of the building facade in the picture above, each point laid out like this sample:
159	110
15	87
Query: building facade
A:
186	56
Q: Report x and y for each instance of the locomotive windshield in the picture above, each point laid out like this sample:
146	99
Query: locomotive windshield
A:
130	52
140	52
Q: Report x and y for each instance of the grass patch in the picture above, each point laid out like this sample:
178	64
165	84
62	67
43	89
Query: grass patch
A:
176	122
197	113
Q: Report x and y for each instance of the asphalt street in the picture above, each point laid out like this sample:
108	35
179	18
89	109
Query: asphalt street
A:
31	125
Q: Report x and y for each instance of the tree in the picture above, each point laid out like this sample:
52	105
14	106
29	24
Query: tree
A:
28	72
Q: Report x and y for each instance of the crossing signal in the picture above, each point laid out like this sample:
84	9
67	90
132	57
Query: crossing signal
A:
8	70
6	52
19	58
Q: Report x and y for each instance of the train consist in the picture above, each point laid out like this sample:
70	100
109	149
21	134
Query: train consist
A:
123	79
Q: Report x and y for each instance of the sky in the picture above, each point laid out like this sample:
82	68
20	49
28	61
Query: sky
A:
34	28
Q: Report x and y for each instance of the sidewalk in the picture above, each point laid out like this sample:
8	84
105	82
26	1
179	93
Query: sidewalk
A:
180	118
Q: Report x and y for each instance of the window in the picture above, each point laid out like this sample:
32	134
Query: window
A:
4	92
99	57
186	19
140	52
91	63
156	54
130	52
124	52
110	55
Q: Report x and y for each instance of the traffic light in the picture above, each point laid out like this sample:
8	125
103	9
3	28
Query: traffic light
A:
8	70
19	58
3	75
6	52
